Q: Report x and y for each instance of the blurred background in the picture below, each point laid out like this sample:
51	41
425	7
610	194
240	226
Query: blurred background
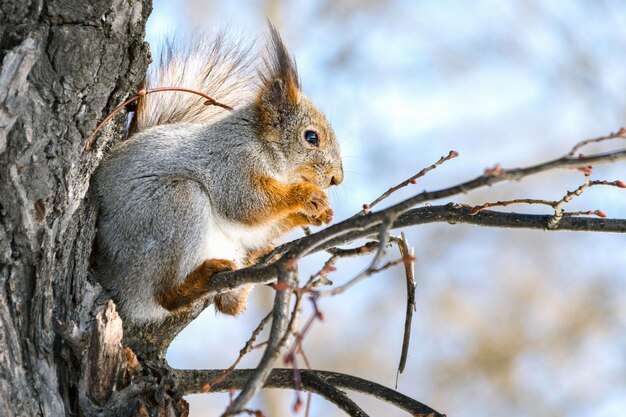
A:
508	322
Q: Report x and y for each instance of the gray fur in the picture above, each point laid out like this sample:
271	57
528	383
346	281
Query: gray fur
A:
156	194
177	194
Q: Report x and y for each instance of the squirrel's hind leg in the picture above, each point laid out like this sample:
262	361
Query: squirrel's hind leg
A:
233	302
194	286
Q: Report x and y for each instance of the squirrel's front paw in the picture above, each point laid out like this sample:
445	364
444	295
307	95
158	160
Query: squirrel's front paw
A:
327	216
313	200
323	218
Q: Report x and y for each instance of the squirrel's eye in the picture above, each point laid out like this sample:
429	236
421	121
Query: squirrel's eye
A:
311	138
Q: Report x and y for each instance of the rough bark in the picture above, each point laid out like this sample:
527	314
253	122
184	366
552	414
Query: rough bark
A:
65	65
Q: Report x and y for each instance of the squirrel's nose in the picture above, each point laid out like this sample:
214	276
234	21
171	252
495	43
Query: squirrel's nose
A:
337	177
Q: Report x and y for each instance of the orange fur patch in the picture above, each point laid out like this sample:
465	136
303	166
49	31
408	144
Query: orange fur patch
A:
291	205
177	297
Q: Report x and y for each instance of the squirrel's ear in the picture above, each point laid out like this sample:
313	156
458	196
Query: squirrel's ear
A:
280	84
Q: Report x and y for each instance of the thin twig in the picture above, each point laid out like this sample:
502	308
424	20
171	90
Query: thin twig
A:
368	207
503	175
452	214
619	134
558	206
248	347
408	255
297	344
368	272
308	395
144	92
383	238
291	357
478	209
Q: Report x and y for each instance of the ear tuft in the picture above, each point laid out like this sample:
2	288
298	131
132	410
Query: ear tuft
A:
280	66
275	107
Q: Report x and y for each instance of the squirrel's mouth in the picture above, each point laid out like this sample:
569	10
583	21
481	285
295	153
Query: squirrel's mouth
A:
310	175
315	182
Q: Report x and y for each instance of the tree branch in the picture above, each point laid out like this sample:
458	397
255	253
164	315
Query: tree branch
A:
191	381
332	394
362	226
454	214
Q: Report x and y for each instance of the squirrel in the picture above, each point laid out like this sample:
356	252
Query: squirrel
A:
200	190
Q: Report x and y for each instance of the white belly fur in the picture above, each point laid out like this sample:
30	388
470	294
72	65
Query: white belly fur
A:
231	241
225	240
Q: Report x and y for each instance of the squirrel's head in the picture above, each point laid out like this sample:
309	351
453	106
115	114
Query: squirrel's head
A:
296	128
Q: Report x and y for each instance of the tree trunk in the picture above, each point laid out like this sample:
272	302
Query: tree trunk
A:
65	65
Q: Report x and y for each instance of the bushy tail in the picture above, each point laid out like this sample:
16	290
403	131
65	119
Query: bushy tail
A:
212	64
